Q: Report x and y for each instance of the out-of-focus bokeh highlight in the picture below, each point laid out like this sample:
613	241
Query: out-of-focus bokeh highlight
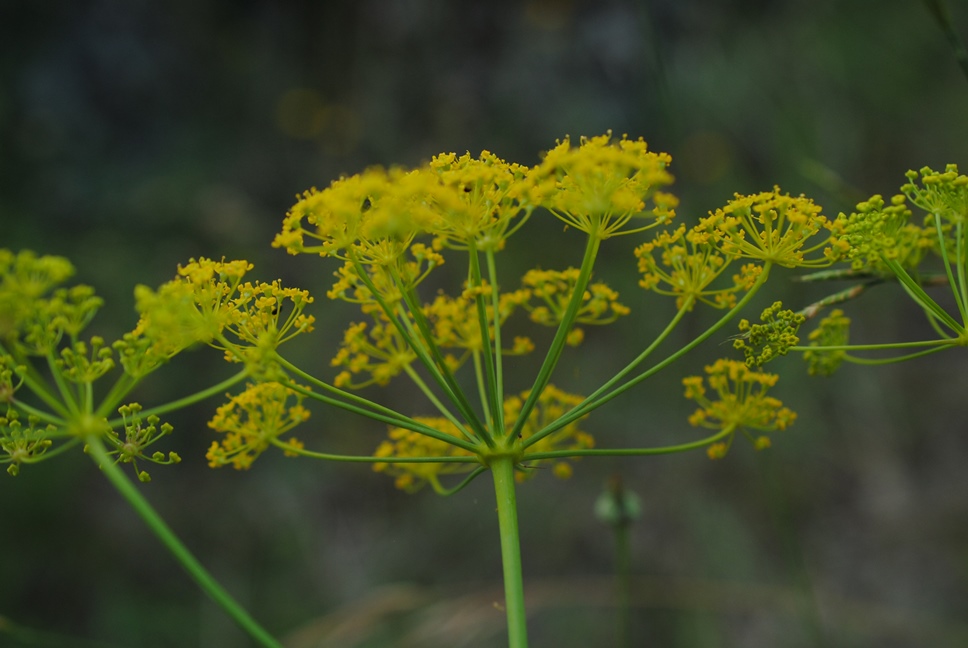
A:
135	135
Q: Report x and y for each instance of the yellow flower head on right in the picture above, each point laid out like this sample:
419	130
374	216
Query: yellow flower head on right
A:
777	228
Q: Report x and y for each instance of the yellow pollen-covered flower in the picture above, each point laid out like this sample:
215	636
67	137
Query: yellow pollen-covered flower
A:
599	186
775	227
553	289
250	420
377	351
685	265
31	321
742	403
481	201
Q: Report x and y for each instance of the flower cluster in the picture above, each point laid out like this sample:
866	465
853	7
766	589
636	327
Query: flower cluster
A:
138	436
685	264
942	193
775	227
400	442
879	233
252	421
35	315
22	444
761	343
552	289
599	186
833	331
742	404
208	303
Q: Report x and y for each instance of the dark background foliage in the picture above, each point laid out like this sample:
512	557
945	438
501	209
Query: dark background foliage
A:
134	135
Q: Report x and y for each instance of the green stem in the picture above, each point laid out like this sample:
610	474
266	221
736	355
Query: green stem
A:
917	294
876	347
302	452
493	405
434	363
630	452
956	286
181	402
47	417
882	361
441	371
66	395
498	358
181	553
482	391
961	259
447	492
502	469
358	401
561	335
36	383
393	418
418	381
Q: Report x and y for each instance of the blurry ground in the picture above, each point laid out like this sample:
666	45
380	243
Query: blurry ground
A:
134	135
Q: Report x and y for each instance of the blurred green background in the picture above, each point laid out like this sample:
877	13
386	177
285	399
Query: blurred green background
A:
135	134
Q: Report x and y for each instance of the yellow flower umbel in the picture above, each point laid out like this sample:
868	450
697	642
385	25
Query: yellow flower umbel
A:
742	404
599	186
454	322
22	444
775	228
553	290
834	330
192	308
31	321
879	233
252	421
685	265
480	203
377	351
208	303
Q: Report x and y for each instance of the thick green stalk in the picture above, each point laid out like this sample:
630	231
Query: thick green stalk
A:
181	553
502	469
